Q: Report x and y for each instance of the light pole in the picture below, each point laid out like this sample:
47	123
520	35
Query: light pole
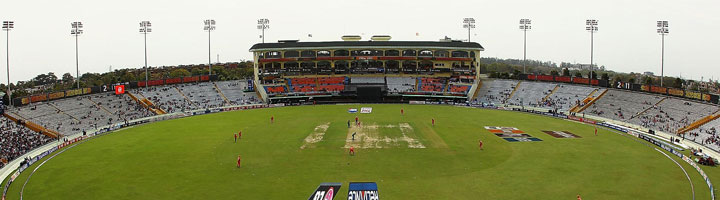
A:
209	27
7	26
77	31
525	26
469	23
262	25
145	29
662	30
591	25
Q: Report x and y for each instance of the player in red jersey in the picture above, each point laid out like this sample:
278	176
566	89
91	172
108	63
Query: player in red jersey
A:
272	119
402	111
480	144
235	137
238	161
433	121
352	151
595	131
239	134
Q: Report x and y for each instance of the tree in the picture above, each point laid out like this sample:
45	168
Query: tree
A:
605	76
594	75
44	79
179	73
566	72
554	73
678	83
648	80
578	74
67	78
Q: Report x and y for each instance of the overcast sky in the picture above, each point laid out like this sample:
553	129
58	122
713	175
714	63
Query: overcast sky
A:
627	40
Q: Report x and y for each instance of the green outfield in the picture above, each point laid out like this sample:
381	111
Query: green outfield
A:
408	157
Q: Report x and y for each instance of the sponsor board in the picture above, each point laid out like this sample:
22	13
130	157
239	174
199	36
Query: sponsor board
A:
352	110
363	191
120	89
325	191
561	134
366	110
532	139
417	102
512	135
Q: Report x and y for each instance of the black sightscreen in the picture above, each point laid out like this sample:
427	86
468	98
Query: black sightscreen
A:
369	94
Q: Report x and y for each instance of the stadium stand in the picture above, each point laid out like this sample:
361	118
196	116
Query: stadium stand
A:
234	92
400	84
120	106
166	97
531	93
367	80
567	96
672	114
203	95
495	91
16	140
622	105
431	85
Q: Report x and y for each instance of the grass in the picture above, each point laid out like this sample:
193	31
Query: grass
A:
194	158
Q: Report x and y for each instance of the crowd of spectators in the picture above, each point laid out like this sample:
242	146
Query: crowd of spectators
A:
16	140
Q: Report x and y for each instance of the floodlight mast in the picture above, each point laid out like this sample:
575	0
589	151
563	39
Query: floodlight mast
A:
145	28
77	30
662	29
209	27
7	26
591	25
525	26
469	23
262	25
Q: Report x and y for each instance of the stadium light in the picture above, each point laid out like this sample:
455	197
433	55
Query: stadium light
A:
209	27
262	25
7	26
591	25
145	28
525	26
469	23
77	30
662	29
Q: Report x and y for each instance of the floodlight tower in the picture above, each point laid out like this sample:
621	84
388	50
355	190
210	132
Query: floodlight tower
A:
662	30
77	30
209	27
7	26
145	29
525	26
469	23
262	25
591	25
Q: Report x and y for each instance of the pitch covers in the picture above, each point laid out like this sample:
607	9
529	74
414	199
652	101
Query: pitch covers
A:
326	191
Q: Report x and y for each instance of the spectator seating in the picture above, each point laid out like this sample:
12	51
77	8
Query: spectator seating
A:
202	94
433	85
531	93
621	105
401	84
367	80
16	140
495	91
234	92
